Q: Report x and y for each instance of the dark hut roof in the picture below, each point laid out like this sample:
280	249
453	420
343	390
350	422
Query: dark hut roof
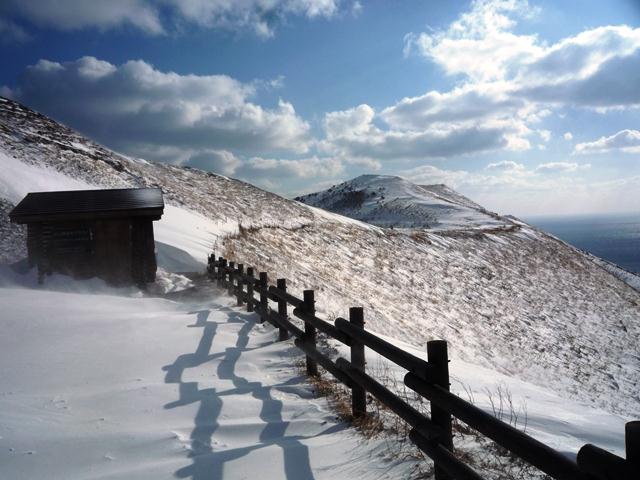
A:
89	204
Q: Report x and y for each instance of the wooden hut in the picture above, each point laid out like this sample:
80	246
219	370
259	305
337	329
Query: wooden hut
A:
93	233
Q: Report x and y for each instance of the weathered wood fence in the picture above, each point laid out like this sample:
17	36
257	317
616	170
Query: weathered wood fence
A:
429	378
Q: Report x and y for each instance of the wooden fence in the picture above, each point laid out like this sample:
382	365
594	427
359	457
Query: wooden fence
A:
429	378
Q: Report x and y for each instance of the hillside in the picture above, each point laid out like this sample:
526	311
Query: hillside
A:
505	295
389	201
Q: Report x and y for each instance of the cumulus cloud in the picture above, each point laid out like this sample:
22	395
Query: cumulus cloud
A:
157	16
545	135
134	107
610	85
511	81
568	136
220	161
258	15
354	133
505	166
429	175
78	14
560	167
468	103
594	68
301	168
627	141
480	43
349	123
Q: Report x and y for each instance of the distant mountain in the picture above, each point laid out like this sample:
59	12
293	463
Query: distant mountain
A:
390	201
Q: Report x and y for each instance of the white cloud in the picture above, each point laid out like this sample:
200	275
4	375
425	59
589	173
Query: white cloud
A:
597	68
627	141
568	136
463	104
349	123
157	16
507	83
560	167
79	14
505	165
258	15
353	133
135	107
515	80
479	44
545	135
562	194
219	161
429	175
302	168
368	163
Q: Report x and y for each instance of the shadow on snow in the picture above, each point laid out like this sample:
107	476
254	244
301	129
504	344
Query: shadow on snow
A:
208	463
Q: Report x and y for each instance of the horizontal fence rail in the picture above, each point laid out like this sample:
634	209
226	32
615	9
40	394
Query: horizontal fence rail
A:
429	378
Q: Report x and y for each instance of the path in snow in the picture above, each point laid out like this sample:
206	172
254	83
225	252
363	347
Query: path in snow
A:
101	384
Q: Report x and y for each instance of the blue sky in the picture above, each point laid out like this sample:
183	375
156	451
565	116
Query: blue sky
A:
529	108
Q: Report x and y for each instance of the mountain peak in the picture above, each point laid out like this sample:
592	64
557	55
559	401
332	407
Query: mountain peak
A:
392	201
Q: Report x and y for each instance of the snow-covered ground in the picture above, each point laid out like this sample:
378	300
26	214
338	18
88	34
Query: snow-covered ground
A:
101	384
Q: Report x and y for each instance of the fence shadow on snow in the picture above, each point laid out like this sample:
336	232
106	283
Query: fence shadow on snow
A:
208	462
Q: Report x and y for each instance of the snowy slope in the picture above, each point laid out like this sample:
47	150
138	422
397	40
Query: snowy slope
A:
389	201
512	300
451	195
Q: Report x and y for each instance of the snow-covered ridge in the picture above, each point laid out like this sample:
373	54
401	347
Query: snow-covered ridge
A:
513	300
390	201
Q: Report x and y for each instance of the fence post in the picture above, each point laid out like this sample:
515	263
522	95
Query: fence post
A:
211	266
264	299
310	330
232	273
632	444
240	287
250	290
281	284
221	273
358	394
438	357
